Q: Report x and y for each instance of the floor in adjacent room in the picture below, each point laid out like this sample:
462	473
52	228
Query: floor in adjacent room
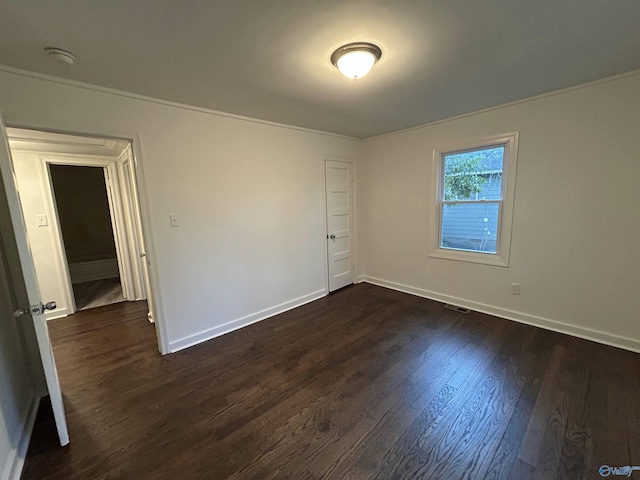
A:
98	293
366	383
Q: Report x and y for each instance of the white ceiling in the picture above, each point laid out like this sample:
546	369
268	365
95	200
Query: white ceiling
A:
269	59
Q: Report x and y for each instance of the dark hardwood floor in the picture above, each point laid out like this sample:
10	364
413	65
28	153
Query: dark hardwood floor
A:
367	383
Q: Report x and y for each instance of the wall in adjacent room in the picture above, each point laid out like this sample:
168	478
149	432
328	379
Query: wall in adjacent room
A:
30	176
576	226
83	209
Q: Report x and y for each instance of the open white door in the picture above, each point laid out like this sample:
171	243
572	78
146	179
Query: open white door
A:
131	195
36	308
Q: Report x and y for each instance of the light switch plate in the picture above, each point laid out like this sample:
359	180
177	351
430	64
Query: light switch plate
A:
173	220
42	220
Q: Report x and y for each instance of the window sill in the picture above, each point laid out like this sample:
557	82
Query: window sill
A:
468	256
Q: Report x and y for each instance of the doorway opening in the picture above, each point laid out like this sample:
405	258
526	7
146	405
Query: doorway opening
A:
82	203
32	174
82	212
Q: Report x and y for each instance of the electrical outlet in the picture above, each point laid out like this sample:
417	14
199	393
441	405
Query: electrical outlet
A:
515	289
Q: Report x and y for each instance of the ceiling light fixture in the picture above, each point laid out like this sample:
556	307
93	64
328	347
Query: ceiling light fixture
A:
61	55
355	60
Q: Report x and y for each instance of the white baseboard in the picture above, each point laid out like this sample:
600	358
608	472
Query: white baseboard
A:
546	323
243	321
93	270
15	462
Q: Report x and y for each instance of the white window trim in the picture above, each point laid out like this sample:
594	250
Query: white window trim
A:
505	219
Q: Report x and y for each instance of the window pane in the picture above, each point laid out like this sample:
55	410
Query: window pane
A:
470	226
474	175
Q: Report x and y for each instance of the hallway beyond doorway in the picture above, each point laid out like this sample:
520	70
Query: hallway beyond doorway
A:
98	293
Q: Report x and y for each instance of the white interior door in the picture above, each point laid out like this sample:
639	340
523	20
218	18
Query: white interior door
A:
339	187
118	228
130	183
36	308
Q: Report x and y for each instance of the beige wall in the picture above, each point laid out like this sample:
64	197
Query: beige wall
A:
30	178
576	226
250	200
249	196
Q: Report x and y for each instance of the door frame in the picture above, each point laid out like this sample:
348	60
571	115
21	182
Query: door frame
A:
126	168
352	214
117	214
135	142
124	165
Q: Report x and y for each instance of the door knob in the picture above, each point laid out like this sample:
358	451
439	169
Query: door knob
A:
50	306
332	236
20	312
40	308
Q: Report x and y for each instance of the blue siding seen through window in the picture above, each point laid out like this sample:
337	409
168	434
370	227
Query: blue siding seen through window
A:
470	226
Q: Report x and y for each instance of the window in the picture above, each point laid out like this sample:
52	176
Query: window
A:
474	185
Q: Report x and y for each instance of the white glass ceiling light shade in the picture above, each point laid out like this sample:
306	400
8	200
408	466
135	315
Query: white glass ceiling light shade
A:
355	60
61	55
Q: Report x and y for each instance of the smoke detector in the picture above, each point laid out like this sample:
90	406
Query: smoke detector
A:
61	55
